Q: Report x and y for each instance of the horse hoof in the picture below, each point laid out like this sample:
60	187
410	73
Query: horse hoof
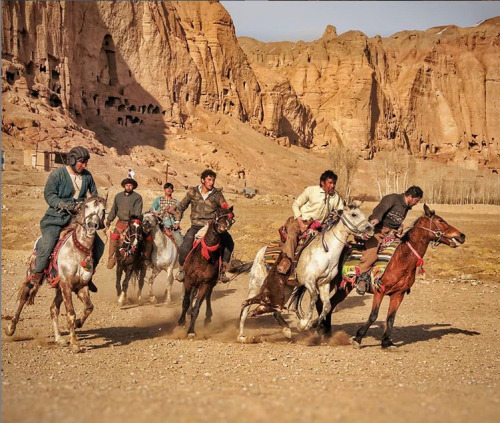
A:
191	335
302	325
61	342
288	333
389	346
122	299
78	323
356	344
206	322
152	299
75	349
242	339
10	329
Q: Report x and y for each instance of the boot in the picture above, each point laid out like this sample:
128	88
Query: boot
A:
222	274
363	283
92	287
284	265
113	243
180	275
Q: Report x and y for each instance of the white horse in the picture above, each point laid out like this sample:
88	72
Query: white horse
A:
74	276
317	266
164	254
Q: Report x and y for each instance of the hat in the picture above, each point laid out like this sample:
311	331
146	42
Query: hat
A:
129	181
77	153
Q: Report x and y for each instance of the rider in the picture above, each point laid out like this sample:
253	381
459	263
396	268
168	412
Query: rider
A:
127	203
204	199
166	207
65	187
313	205
388	219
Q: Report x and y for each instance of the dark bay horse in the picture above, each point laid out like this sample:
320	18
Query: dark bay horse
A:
202	267
74	269
129	259
399	275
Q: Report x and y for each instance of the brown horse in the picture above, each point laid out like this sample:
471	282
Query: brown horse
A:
202	267
399	275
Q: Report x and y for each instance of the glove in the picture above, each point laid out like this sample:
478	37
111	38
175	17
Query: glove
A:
63	206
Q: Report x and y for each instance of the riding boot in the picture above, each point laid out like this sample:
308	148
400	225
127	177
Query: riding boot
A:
222	274
180	275
91	285
363	283
113	244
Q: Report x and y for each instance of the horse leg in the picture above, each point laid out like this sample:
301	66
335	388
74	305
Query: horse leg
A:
23	297
88	307
142	275
54	314
324	294
195	309
151	280
283	323
186	301
254	290
70	315
360	334
170	281
395	302
119	272
209	313
325	327
313	292
123	295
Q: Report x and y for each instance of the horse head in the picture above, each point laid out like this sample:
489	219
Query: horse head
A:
133	234
441	232
150	221
224	218
91	214
355	220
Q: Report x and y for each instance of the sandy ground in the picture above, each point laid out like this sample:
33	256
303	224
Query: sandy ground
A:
138	365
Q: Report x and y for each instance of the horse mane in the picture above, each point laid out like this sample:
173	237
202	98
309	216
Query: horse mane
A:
405	237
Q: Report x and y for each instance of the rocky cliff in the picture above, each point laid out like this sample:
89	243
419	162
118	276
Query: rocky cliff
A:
433	92
134	72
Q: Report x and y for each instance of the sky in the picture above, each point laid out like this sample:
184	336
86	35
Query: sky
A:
306	20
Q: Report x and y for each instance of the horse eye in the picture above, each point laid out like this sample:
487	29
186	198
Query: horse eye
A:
354	215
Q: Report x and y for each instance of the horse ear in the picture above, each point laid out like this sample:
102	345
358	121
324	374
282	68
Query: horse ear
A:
231	209
356	204
428	212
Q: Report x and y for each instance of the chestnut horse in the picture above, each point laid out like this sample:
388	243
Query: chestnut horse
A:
202	267
399	275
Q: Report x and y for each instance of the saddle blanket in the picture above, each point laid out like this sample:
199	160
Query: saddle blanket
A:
350	267
273	250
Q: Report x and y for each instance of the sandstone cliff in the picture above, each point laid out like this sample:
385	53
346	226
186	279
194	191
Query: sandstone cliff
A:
130	73
433	92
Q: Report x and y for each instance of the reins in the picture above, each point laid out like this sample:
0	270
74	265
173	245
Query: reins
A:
439	234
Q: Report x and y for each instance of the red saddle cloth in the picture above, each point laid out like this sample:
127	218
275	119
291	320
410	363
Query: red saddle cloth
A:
52	270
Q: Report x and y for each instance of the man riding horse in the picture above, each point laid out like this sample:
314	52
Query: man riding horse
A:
204	199
66	187
388	219
127	203
311	208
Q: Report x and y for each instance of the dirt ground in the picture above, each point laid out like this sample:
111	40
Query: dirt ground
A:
138	365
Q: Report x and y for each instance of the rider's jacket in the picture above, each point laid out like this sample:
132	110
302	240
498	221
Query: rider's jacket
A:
202	207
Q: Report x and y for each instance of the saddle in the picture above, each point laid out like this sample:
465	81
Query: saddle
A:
52	271
351	263
274	249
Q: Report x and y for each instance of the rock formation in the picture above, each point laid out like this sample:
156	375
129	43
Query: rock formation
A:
129	73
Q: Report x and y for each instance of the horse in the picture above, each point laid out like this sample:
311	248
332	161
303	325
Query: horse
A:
129	259
317	266
164	254
74	269
399	275
202	267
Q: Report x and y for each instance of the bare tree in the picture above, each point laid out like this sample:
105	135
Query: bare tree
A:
344	162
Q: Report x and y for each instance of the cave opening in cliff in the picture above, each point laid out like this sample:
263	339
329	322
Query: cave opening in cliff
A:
54	101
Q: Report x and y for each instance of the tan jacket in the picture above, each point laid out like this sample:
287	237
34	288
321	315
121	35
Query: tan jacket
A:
315	204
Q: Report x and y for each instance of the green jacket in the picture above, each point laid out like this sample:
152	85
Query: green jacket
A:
202	211
59	187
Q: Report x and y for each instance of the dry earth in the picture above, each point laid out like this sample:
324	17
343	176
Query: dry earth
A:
139	366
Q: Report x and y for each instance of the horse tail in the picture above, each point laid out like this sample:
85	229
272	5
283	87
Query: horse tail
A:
242	268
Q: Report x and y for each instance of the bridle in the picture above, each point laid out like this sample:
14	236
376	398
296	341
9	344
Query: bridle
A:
88	221
333	218
131	240
229	219
438	234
